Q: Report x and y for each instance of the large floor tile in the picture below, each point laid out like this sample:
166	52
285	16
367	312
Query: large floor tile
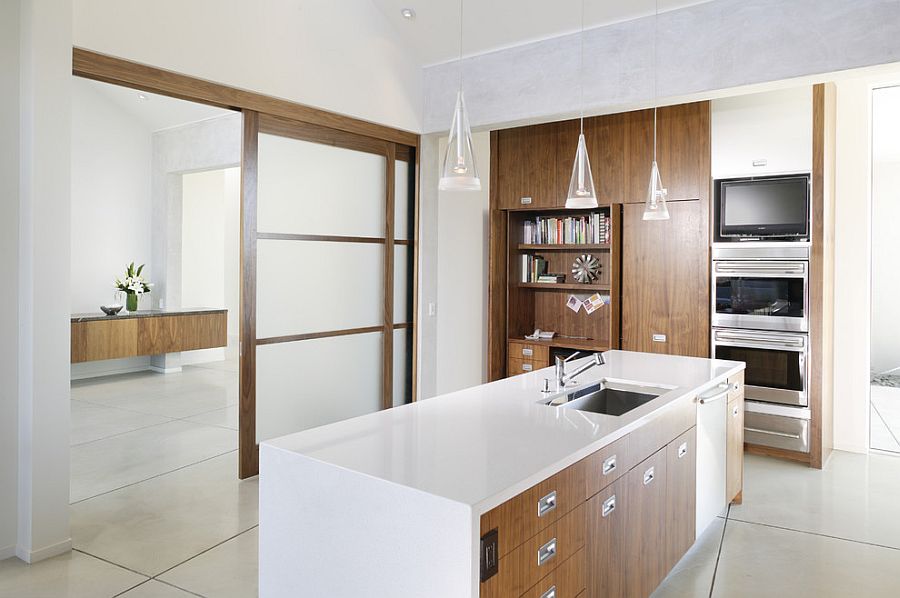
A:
71	575
92	422
155	589
854	497
159	523
762	561
105	465
175	401
224	418
229	570
693	575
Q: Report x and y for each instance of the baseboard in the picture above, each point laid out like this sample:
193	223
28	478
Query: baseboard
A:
7	552
34	556
851	448
160	370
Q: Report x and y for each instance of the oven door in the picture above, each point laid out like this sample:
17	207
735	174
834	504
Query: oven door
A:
762	295
776	364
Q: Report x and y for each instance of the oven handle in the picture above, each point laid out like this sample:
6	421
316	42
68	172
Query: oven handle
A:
762	341
761	268
773	433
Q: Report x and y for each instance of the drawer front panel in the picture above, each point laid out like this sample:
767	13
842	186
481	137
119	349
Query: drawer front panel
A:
607	465
566	581
523	516
530	352
521	366
663	429
538	557
776	431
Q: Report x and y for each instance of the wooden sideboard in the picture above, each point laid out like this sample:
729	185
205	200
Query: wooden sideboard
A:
147	333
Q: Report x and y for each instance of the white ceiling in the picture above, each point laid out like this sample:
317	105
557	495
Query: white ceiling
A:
433	36
155	112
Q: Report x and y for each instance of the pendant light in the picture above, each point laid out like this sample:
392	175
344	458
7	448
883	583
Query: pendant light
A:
459	172
655	206
581	187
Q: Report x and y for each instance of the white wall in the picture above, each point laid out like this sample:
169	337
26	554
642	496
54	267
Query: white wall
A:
9	241
43	280
885	253
210	245
110	196
340	56
463	233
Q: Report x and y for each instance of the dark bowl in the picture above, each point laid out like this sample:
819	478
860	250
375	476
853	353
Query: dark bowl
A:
111	310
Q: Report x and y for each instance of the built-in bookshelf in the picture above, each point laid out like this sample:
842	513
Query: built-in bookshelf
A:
542	246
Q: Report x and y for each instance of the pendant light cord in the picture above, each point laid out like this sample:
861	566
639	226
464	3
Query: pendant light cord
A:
460	42
581	67
655	90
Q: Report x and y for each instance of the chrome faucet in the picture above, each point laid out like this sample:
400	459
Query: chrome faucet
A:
562	378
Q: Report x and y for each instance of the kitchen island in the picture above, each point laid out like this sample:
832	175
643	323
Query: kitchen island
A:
490	491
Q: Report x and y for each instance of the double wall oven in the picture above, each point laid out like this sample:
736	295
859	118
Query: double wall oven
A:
760	305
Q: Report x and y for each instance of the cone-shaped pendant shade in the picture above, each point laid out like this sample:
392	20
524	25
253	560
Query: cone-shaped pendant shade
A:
581	187
459	172
655	208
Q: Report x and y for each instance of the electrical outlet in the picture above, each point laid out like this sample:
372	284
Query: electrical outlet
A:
490	560
432	309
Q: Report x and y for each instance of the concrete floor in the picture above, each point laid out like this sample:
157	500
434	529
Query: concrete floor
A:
157	510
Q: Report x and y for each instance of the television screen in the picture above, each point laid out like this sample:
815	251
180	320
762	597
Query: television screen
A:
765	207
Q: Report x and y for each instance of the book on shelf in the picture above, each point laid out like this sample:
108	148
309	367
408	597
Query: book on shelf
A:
571	230
552	278
533	267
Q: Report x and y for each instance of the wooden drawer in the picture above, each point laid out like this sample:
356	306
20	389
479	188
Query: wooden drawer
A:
521	366
182	333
538	557
607	465
539	354
104	339
566	581
661	430
523	516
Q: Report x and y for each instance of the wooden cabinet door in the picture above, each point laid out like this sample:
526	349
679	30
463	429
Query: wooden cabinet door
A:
681	488
683	151
527	164
665	281
637	132
734	433
645	545
607	534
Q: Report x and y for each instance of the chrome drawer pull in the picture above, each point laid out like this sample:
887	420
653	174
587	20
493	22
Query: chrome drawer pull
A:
546	552
649	475
682	450
773	433
527	352
609	465
547	504
551	593
526	367
609	505
709	398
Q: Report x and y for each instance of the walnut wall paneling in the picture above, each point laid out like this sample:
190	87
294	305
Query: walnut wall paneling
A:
497	272
527	167
637	128
683	152
665	281
605	140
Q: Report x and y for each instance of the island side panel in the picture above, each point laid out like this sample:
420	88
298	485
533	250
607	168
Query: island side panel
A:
327	531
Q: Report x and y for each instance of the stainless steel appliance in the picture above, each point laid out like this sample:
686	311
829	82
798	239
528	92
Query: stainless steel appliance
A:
771	207
762	294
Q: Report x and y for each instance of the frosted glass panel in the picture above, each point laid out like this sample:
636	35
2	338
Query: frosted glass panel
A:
313	286
310	188
402	200
311	383
402	366
403	285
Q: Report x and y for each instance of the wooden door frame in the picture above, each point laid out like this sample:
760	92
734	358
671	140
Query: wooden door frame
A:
316	125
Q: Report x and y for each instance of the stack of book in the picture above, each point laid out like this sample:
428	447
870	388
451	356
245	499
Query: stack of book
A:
534	269
571	230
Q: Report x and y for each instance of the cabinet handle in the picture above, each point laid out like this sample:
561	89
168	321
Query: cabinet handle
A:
682	450
709	398
527	352
547	504
527	367
525	201
649	475
551	593
609	465
609	505
546	552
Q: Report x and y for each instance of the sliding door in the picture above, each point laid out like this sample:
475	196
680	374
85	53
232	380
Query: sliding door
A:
331	217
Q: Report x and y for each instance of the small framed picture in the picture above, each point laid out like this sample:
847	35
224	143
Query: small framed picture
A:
574	303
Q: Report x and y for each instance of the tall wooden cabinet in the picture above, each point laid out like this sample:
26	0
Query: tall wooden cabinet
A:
656	273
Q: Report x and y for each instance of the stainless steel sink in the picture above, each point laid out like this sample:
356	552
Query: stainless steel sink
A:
608	398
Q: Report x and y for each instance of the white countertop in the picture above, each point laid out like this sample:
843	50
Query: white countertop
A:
483	445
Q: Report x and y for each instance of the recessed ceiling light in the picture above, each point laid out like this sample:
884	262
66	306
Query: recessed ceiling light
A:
143	97
408	14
